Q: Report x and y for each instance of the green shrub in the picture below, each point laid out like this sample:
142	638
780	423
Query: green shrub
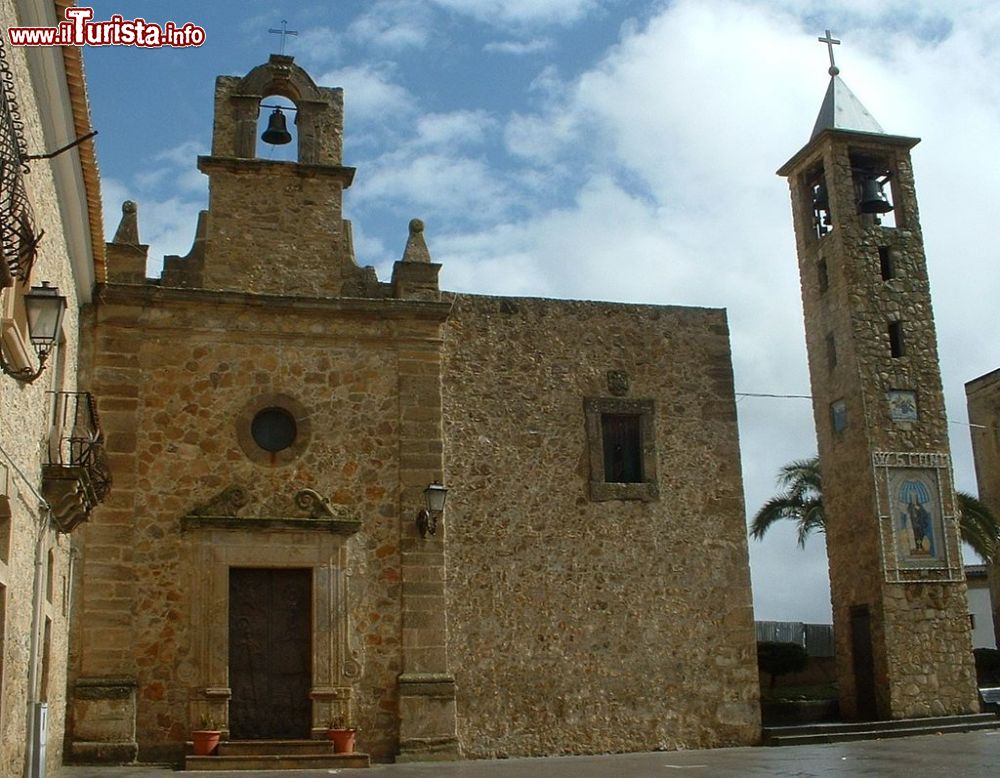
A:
987	666
778	659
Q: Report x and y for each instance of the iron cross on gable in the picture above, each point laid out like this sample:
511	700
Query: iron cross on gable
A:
830	42
284	32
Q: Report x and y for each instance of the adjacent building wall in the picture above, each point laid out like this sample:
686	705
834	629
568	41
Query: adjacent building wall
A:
983	399
980	607
578	625
50	101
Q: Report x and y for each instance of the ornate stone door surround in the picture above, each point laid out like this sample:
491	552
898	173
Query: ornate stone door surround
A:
218	543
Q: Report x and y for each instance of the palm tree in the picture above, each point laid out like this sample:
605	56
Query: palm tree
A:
802	502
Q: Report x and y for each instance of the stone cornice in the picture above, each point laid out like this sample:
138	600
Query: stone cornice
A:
865	138
208	164
383	308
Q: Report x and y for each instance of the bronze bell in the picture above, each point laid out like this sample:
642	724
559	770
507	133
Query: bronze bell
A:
873	199
277	133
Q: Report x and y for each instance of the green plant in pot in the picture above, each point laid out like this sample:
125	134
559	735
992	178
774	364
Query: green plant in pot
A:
206	739
341	735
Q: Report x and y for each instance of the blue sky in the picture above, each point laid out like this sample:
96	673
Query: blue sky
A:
607	149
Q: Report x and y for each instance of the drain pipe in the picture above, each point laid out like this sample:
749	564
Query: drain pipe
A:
31	770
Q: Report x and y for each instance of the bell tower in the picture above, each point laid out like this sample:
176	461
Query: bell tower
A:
274	227
900	615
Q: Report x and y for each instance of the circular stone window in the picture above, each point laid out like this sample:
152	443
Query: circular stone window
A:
273	429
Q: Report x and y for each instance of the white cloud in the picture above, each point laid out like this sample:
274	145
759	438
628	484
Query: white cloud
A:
370	94
393	25
437	171
519	48
177	169
318	47
434	184
458	128
499	12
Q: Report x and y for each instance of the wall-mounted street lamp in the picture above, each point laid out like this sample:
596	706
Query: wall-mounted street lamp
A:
45	308
427	519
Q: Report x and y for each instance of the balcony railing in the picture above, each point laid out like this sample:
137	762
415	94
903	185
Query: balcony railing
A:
76	476
17	229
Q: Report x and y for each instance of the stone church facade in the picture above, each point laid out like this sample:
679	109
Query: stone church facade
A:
274	414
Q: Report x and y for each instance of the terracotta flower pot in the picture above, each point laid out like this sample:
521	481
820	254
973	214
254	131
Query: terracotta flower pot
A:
343	740
205	741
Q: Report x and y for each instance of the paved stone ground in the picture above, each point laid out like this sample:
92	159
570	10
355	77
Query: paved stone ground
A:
968	755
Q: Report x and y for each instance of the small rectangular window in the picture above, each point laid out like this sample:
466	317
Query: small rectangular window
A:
838	415
824	278
897	345
831	352
886	263
622	440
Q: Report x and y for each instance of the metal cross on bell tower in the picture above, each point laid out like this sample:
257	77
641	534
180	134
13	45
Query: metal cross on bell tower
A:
830	42
284	32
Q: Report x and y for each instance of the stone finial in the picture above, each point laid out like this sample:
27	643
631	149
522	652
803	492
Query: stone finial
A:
416	247
128	229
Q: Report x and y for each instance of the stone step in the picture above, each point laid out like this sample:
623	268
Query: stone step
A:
277	762
279	747
872	730
275	755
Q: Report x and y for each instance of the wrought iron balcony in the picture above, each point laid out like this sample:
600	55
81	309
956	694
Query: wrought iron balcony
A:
76	476
18	240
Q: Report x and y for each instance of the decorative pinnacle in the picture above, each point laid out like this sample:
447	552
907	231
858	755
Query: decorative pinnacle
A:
830	41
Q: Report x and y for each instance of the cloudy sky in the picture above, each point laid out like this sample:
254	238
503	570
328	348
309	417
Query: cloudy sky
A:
607	149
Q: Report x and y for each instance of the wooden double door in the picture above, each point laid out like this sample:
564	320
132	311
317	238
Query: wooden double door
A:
270	653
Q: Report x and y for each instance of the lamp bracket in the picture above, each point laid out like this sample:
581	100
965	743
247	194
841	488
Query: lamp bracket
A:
426	523
24	374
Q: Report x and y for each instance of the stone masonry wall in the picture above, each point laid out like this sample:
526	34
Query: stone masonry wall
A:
276	227
177	375
582	626
25	422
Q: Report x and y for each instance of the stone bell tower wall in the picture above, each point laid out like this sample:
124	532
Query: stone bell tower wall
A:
900	618
274	227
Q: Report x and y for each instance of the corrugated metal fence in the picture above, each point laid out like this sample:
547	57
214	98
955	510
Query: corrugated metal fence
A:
817	639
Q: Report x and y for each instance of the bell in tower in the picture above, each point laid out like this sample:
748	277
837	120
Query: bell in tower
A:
873	199
277	133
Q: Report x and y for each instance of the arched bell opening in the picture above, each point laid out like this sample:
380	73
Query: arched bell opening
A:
277	129
874	192
817	195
